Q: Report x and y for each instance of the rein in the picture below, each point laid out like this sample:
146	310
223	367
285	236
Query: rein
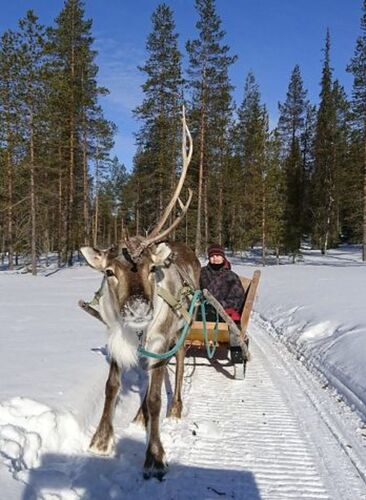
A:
188	290
188	317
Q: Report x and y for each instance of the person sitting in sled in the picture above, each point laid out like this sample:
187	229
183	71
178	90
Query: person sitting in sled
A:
225	285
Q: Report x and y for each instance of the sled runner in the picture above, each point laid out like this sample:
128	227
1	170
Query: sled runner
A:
220	335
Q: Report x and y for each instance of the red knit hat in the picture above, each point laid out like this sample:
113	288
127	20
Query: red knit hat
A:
215	250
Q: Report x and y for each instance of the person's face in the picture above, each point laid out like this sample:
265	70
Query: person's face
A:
216	259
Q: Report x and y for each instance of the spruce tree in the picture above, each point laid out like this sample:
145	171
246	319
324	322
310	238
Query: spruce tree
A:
307	145
251	149
357	66
323	180
275	195
343	169
291	130
292	111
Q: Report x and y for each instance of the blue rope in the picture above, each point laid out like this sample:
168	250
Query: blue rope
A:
210	352
142	352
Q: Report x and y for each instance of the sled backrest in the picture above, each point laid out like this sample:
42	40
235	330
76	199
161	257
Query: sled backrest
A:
249	298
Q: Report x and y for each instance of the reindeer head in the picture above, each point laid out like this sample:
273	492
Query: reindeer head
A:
130	271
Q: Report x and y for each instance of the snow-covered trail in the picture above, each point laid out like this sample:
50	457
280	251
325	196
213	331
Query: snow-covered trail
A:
276	435
270	436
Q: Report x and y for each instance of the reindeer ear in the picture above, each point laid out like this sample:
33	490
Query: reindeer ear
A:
160	253
94	257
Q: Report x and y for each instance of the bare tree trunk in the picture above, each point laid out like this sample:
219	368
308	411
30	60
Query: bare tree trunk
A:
115	229
33	202
264	225
221	210
69	244
137	210
70	210
205	209
364	203
137	218
10	235
220	213
96	210
200	180
60	211
85	189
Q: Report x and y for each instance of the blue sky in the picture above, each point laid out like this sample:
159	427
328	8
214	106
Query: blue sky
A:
268	36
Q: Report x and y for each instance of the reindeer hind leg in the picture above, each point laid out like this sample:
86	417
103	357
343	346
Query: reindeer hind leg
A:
142	416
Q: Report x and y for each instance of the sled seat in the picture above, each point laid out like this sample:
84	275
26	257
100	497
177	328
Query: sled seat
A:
195	336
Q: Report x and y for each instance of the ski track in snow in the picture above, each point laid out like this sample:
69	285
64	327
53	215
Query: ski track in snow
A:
276	435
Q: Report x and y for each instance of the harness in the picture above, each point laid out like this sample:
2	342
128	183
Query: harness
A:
186	292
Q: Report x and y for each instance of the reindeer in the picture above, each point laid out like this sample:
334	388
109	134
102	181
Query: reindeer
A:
130	304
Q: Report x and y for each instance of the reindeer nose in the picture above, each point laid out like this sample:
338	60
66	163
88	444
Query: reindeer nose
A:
137	307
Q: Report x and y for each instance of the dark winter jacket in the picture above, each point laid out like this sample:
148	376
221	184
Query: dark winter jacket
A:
225	286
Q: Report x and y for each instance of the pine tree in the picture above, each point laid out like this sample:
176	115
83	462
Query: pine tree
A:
31	56
357	66
74	94
10	139
103	134
159	138
112	203
209	63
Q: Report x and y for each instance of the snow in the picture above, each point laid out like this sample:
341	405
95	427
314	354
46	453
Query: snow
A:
53	367
318	309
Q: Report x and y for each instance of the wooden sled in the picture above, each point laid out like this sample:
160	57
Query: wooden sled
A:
195	336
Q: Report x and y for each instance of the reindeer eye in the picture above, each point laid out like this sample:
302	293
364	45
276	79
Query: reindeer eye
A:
109	273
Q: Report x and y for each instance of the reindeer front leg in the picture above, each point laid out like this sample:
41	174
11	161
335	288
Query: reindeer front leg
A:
175	409
103	440
155	465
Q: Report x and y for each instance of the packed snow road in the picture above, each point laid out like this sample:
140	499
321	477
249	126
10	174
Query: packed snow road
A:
276	435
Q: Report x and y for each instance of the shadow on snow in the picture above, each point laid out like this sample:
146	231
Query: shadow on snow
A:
94	478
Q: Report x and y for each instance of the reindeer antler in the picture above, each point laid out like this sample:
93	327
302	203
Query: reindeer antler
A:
186	161
157	233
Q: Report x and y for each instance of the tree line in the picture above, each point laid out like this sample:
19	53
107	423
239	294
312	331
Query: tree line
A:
60	188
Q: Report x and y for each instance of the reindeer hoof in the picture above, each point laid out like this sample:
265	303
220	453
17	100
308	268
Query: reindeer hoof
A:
154	466
102	444
157	472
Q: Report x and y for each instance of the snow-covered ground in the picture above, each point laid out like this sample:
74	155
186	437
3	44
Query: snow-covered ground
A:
294	428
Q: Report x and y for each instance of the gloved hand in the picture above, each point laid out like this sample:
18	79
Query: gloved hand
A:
234	315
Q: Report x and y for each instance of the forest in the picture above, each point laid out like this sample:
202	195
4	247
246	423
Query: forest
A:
303	181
